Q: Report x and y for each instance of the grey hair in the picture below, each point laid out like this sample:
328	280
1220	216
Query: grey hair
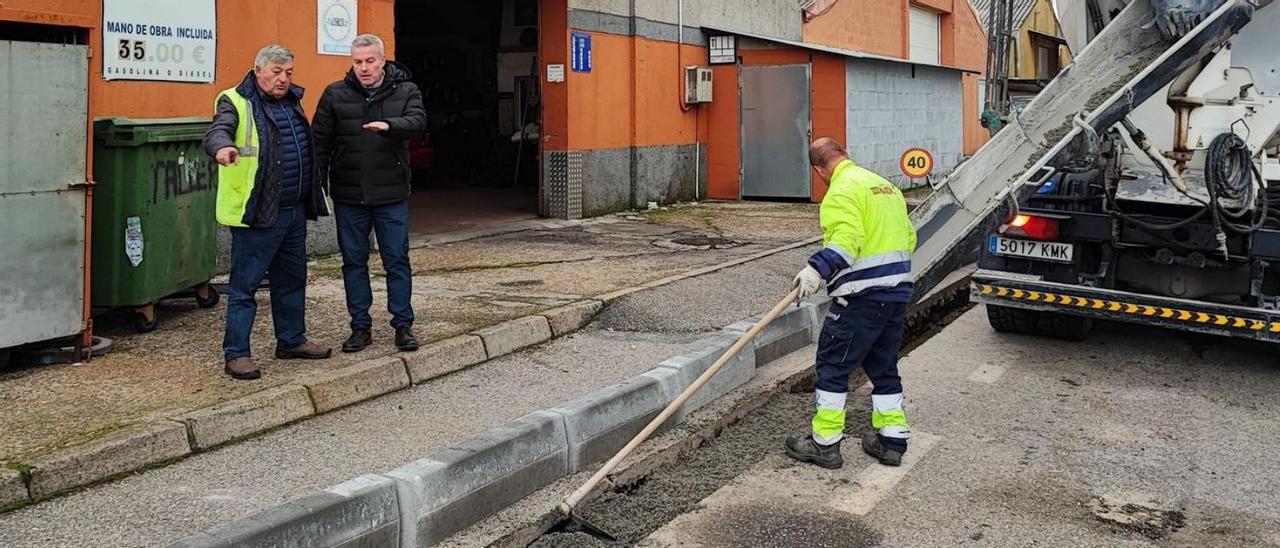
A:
369	40
272	53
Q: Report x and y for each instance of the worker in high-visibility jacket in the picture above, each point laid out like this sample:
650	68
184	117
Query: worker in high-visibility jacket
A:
865	265
268	189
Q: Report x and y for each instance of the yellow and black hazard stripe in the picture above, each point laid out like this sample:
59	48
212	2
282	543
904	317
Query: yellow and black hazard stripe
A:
1128	308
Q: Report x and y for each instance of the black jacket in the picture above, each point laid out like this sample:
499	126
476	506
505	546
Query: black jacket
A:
264	201
365	167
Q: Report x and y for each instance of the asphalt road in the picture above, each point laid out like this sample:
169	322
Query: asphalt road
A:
167	504
1136	437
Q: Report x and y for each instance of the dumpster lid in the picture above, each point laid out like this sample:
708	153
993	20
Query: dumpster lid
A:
137	131
120	121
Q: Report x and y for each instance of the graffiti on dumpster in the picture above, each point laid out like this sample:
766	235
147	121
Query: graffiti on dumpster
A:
180	177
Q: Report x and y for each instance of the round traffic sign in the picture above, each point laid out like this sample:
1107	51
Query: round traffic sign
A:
917	163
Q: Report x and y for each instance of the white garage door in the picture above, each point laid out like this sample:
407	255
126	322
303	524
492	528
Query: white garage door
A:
925	36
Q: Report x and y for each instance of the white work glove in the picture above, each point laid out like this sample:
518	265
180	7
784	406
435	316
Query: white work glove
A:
808	280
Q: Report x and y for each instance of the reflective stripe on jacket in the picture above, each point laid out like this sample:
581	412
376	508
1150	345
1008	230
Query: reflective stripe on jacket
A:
235	181
867	235
249	193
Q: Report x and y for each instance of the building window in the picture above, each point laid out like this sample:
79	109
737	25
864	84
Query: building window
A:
1047	63
925	36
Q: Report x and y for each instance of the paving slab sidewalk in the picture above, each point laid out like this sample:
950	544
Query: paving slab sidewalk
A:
461	286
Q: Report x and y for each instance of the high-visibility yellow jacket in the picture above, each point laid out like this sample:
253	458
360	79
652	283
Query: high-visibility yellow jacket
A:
867	235
249	190
235	182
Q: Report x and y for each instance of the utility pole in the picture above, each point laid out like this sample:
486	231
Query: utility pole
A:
995	108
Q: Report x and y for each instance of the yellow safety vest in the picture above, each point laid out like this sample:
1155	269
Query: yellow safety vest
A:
235	181
867	234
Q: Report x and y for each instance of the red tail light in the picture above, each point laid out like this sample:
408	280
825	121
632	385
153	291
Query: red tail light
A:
1031	226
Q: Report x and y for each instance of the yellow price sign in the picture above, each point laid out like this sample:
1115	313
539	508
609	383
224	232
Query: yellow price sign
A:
917	163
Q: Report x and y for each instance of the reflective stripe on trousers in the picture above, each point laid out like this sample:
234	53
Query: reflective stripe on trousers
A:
866	332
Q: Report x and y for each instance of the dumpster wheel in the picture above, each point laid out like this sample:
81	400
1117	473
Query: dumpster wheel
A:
207	295
144	319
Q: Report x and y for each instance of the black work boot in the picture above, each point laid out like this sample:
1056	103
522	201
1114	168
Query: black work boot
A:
359	339
802	448
406	341
872	446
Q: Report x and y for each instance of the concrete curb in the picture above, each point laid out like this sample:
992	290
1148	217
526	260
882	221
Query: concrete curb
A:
13	489
213	426
455	487
507	337
103	459
689	366
356	383
444	357
792	330
572	316
601	423
452	489
361	512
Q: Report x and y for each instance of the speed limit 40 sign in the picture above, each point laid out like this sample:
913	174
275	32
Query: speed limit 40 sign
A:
917	163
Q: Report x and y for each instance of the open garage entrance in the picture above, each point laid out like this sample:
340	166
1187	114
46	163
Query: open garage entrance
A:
476	63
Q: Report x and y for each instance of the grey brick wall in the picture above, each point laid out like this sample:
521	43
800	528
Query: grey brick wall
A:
896	106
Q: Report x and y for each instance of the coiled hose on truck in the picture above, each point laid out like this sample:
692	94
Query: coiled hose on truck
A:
1230	175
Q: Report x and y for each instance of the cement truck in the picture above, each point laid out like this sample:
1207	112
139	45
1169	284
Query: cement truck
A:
1152	195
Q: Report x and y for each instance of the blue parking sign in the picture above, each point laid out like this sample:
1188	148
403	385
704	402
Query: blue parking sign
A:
581	52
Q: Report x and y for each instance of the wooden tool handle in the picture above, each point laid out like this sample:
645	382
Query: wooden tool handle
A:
572	500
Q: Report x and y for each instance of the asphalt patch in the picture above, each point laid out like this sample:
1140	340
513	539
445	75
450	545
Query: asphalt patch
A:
1153	523
702	241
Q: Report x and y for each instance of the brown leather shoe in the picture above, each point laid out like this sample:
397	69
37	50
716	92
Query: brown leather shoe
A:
242	369
305	351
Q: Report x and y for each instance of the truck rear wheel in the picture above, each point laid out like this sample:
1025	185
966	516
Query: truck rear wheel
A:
1013	320
1066	326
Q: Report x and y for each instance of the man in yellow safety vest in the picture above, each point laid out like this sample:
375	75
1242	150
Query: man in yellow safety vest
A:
865	265
267	190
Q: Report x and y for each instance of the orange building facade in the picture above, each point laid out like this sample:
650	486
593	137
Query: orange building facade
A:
624	129
624	125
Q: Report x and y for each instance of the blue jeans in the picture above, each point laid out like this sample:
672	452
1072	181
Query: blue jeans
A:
281	250
391	224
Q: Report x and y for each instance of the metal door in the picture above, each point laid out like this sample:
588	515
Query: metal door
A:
775	131
44	92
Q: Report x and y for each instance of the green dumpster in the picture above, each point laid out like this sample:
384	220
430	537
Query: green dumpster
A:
154	232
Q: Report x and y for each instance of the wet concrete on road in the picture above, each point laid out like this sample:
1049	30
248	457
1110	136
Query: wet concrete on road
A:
1136	437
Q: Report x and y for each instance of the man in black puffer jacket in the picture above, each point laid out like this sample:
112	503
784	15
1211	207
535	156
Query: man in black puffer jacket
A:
362	127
